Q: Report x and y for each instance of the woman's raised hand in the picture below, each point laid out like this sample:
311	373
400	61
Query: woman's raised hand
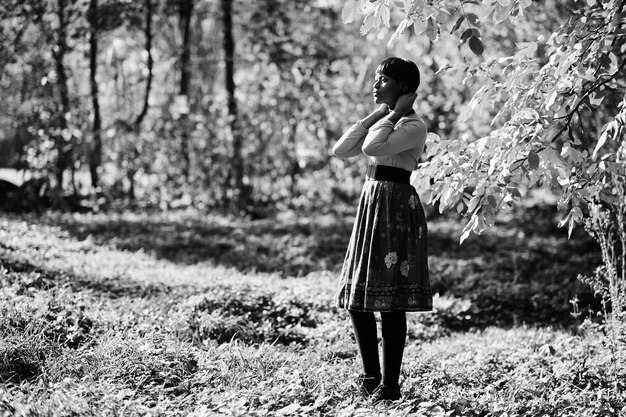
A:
382	110
405	103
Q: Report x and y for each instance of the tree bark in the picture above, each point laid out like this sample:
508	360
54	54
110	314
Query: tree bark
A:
63	141
95	154
149	64
236	172
185	13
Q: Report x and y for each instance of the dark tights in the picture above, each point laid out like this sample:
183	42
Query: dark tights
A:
394	336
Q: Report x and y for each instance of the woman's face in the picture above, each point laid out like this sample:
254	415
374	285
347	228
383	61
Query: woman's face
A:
386	90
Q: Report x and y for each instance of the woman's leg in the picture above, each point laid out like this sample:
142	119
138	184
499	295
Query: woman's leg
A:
394	338
364	325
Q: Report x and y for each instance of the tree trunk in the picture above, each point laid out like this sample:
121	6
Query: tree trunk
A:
63	142
149	64
95	154
136	126
186	9
236	173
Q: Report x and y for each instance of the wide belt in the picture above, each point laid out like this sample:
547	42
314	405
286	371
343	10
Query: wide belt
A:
387	173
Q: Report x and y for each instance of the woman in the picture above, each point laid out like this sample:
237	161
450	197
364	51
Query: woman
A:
385	269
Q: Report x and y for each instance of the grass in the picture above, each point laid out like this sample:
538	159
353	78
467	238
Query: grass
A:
182	314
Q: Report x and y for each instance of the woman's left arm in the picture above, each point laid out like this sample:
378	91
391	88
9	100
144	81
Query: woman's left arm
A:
384	140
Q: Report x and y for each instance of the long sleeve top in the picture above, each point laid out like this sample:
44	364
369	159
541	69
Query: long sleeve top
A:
399	145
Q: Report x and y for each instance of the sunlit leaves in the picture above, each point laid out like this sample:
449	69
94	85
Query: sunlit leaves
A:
572	218
377	13
429	17
502	10
614	129
349	11
420	25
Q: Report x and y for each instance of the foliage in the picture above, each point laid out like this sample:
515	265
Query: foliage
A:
606	224
296	92
550	96
292	87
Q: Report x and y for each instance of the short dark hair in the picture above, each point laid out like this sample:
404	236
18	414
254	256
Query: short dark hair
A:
401	70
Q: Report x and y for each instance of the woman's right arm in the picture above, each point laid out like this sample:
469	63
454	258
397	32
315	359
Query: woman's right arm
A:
349	144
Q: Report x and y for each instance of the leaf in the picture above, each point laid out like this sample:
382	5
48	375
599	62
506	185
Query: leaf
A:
596	99
533	160
432	30
469	227
514	192
527	49
603	137
473	203
564	220
400	30
515	165
502	12
527	115
348	11
473	19
492	165
444	69
551	99
616	168
489	217
447	197
458	23
383	12
468	33
476	45
419	26
573	217
490	202
552	157
368	22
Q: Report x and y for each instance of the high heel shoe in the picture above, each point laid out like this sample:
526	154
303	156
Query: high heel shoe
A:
386	393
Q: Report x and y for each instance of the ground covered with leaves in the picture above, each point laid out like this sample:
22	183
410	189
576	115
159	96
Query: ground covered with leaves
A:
185	314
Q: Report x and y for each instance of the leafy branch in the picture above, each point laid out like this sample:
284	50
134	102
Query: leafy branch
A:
581	100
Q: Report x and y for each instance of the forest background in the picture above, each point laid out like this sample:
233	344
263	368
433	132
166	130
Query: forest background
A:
173	219
202	104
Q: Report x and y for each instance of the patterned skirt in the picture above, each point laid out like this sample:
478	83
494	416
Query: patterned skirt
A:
386	264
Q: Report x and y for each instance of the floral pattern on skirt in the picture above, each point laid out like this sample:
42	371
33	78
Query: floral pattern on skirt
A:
386	264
